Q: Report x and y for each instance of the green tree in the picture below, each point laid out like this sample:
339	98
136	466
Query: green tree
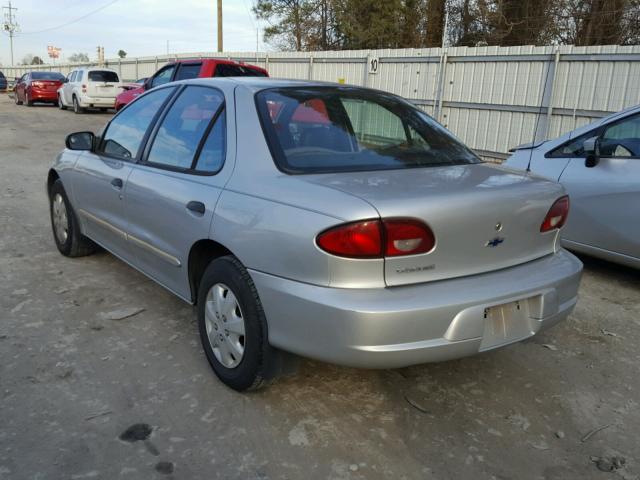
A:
78	57
122	53
36	60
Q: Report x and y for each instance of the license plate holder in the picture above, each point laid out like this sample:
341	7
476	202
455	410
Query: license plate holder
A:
506	323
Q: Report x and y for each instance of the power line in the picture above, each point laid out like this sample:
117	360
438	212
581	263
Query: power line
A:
72	21
10	25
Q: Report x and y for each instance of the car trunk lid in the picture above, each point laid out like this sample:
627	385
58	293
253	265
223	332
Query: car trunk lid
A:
484	217
103	84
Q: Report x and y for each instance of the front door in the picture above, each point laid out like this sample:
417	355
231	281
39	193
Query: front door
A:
100	177
605	199
172	193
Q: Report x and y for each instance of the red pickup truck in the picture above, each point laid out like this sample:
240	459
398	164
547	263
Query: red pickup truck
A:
184	69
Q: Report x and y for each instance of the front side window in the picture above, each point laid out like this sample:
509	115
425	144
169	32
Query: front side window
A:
573	148
164	76
621	139
187	71
332	129
103	76
126	131
183	128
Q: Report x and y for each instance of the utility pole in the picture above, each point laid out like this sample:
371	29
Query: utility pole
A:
219	25
10	25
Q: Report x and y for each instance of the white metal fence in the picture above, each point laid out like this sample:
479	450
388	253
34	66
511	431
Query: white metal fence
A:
493	98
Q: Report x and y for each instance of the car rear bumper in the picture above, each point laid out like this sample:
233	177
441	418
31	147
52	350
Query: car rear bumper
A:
97	102
430	322
43	95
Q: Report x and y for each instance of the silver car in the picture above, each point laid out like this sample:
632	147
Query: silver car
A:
599	165
332	222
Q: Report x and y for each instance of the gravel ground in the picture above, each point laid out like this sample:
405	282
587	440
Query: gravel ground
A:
86	396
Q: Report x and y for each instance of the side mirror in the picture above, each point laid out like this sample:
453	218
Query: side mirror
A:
590	147
80	141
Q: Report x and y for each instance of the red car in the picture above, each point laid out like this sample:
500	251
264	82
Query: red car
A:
38	87
190	68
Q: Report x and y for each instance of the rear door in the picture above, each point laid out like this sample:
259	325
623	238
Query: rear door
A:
605	199
172	194
100	177
103	84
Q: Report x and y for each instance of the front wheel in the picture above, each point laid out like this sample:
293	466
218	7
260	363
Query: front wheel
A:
233	327
66	231
61	105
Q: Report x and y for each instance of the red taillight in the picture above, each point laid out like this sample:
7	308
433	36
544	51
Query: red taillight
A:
557	215
355	240
378	238
407	237
37	84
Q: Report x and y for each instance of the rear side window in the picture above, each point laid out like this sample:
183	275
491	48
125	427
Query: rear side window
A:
126	131
183	128
103	76
333	129
187	71
226	70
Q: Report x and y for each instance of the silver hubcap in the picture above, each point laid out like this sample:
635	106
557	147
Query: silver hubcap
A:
225	325
60	220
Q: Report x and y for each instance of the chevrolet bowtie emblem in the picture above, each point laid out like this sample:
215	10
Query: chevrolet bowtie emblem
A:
494	242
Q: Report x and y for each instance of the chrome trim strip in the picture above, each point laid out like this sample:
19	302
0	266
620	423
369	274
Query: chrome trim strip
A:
103	223
126	236
161	253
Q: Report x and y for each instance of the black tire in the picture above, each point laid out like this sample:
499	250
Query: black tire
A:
75	244
77	109
104	110
60	104
256	366
27	101
16	99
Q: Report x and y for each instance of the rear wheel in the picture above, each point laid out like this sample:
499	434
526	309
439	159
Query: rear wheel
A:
66	231
16	99
233	327
76	106
28	101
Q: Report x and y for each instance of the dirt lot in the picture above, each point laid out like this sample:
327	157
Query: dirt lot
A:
72	380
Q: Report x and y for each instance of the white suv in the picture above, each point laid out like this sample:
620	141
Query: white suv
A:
89	88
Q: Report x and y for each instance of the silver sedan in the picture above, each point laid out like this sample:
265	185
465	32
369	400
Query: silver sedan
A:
599	165
333	222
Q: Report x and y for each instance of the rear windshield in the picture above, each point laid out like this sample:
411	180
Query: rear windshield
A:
334	129
47	76
224	70
103	76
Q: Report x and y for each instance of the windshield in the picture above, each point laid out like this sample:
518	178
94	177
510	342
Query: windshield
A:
333	129
103	76
47	76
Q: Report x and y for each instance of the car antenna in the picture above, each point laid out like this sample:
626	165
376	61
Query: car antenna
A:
535	130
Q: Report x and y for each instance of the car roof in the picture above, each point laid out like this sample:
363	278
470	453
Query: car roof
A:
256	84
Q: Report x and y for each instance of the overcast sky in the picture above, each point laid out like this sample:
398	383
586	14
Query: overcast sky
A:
139	27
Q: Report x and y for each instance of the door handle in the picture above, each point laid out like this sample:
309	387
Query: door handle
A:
117	182
196	207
